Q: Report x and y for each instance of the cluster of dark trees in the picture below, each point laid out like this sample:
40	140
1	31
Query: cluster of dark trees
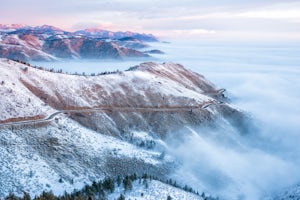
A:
132	68
61	71
99	190
22	62
148	144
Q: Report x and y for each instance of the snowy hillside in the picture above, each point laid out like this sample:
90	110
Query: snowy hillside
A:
35	158
146	86
292	193
153	191
138	108
17	101
150	85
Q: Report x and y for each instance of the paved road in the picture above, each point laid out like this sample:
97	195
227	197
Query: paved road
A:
152	109
46	119
215	92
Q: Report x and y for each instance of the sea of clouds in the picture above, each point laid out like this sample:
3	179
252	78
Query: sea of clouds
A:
262	79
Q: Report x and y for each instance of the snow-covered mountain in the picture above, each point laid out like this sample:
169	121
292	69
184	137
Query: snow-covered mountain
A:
116	35
90	32
51	43
10	27
104	125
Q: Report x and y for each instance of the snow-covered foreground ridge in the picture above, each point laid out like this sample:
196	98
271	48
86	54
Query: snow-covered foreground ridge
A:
82	146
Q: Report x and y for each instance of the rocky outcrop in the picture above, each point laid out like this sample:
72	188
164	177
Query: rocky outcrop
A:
154	51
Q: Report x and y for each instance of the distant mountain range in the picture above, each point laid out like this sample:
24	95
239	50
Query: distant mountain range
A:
51	43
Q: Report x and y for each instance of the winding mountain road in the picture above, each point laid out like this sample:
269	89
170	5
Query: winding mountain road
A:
152	109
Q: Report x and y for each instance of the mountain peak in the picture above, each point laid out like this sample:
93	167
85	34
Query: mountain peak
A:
47	42
48	27
26	27
12	26
91	32
94	29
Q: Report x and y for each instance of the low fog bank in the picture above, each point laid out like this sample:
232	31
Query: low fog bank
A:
262	80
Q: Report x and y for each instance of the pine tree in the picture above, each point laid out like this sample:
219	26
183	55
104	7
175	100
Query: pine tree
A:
145	183
185	188
26	196
127	183
119	180
145	176
101	194
108	184
121	197
11	196
47	195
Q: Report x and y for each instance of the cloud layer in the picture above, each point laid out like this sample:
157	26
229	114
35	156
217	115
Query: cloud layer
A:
227	18
262	80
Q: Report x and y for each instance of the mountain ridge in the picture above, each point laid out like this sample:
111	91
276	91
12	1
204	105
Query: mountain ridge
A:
82	147
47	43
87	32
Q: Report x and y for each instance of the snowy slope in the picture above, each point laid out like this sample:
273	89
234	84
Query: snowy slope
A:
16	100
33	159
24	47
64	154
292	193
133	88
148	85
155	190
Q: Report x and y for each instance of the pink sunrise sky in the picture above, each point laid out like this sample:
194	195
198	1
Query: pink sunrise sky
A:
223	19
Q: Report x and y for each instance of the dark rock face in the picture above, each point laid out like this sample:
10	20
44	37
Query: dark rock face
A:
131	43
154	51
99	49
58	48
